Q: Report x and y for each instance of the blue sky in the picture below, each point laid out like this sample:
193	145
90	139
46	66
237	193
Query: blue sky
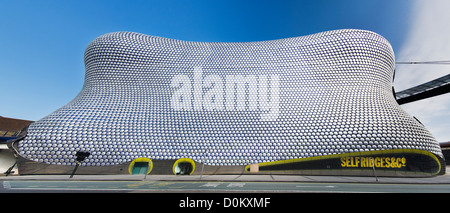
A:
42	43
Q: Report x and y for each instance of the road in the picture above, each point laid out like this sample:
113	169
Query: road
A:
14	186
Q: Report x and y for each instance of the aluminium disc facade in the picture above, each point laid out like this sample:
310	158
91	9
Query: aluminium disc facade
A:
231	104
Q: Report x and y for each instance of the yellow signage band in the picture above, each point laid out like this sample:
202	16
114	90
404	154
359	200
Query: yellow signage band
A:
384	159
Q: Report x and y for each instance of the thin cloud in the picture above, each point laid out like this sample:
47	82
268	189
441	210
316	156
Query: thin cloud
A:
428	40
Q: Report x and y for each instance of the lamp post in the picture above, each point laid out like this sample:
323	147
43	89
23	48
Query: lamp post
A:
80	157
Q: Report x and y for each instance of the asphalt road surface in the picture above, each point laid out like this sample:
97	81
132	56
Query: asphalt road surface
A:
25	186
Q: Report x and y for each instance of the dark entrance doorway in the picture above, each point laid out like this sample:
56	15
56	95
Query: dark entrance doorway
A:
184	166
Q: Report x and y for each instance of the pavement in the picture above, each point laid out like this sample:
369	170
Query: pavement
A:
442	179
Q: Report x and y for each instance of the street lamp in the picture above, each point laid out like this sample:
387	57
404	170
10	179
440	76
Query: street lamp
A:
80	157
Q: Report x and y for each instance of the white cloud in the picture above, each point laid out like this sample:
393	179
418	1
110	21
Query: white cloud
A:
428	40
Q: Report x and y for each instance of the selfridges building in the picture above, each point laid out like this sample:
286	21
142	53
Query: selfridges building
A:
320	104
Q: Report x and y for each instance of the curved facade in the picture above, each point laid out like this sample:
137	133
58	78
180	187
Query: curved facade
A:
231	104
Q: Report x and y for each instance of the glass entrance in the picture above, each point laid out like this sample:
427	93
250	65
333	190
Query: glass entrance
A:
184	166
140	168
